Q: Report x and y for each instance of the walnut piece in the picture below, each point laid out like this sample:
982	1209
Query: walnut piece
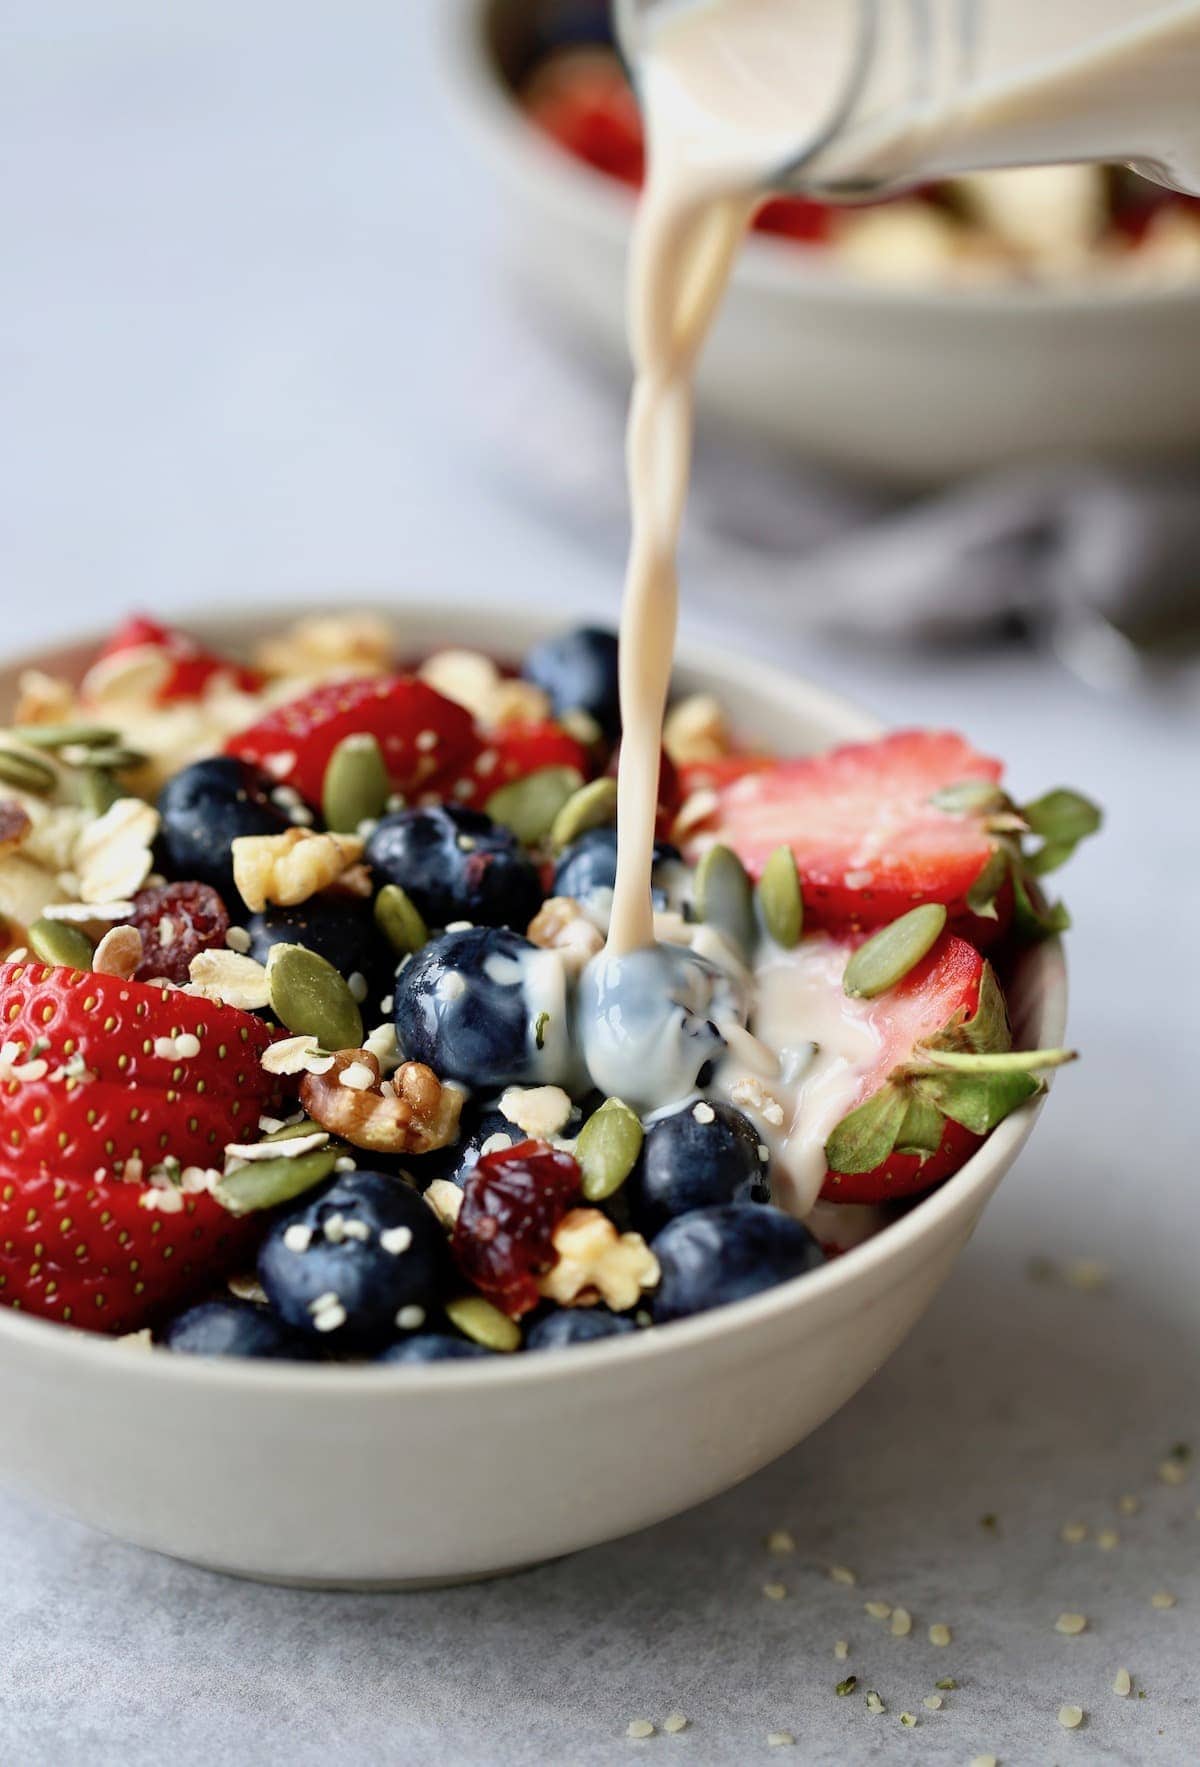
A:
43	699
468	677
289	868
517	702
472	680
119	953
328	646
596	1263
561	925
413	1112
696	729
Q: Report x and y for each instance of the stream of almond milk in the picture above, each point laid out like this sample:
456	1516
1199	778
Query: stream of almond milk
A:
728	90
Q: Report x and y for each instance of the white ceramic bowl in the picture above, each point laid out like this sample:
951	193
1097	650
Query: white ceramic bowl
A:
912	385
391	1476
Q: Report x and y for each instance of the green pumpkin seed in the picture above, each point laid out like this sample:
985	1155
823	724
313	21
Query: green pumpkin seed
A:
723	897
887	957
779	899
969	797
112	758
95	790
60	943
57	736
293	1131
399	920
593	806
263	1184
607	1149
356	784
310	998
484	1324
530	806
26	772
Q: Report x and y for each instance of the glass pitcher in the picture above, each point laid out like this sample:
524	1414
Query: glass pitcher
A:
851	97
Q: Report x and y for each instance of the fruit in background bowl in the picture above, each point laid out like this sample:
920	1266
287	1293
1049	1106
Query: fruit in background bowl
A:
1039	223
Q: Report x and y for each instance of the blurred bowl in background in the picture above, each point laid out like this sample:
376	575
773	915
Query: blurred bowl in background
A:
911	383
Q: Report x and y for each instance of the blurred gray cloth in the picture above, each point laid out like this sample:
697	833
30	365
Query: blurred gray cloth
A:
1035	545
1052	544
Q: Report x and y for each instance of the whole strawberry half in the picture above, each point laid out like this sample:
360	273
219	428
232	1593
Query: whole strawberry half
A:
188	667
102	1079
87	1252
880	827
98	1071
945	1076
428	742
517	750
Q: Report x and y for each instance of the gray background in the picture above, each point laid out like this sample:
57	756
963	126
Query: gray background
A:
255	341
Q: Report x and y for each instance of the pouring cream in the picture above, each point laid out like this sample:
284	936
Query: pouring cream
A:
729	89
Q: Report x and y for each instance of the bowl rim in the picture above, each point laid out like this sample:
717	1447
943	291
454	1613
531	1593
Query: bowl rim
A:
769	265
857	1266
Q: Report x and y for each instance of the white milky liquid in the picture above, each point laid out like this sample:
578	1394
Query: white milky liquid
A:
730	91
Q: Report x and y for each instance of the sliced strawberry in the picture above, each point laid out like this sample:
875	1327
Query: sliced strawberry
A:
941	991
869	842
187	667
98	1071
945	1075
517	750
582	100
429	743
796	217
716	775
92	1254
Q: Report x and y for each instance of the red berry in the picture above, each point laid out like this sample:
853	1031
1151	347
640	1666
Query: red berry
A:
512	1203
795	217
941	991
516	750
582	100
176	921
869	841
124	1072
429	743
90	1254
188	667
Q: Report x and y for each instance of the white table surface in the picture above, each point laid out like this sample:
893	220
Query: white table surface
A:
254	342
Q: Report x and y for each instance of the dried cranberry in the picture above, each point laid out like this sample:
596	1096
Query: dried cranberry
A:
176	921
512	1203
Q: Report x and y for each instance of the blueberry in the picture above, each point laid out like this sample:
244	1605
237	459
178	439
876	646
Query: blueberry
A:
234	1328
577	1325
361	1258
713	1256
590	864
578	669
339	928
204	809
457	864
487	1008
433	1346
701	1155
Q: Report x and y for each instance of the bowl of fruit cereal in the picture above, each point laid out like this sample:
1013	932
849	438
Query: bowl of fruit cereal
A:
967	325
310	1183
